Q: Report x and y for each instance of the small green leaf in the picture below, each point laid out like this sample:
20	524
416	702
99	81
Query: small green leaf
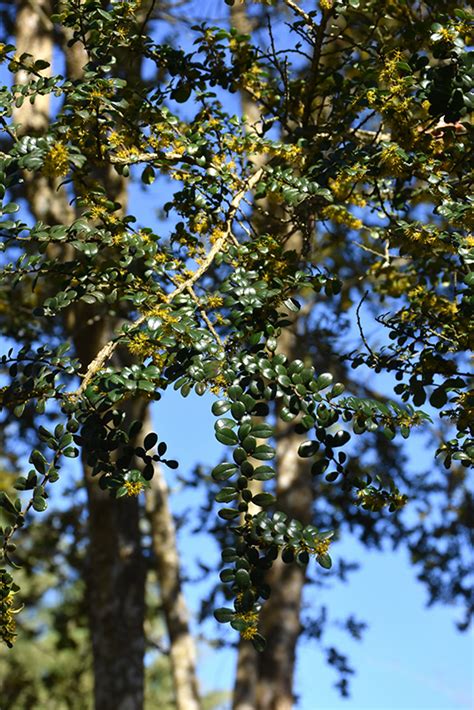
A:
292	304
324	380
150	441
220	407
238	410
262	431
226	495
308	449
171	463
223	615
242	578
227	436
264	453
258	643
39	504
438	397
263	499
263	473
224	471
228	513
324	560
182	93
38	461
148	175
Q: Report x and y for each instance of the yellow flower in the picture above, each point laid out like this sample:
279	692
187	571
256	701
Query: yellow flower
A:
447	35
391	160
56	162
372	499
159	360
215	301
249	633
321	546
7	619
133	488
339	215
371	97
216	234
219	384
200	223
141	345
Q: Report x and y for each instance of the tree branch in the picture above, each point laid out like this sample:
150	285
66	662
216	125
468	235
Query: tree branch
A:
105	353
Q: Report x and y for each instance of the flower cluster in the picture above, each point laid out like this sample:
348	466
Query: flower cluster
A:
343	186
133	488
375	500
7	616
339	215
326	5
391	160
56	162
321	546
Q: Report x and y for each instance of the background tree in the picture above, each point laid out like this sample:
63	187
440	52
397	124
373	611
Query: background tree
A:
352	149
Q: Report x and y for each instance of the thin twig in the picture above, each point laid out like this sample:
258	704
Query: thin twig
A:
204	315
359	325
9	130
368	249
307	18
105	353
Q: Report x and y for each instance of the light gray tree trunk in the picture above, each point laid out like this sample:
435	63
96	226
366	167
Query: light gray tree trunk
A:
167	565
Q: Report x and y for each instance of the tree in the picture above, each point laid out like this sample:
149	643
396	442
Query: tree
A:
342	190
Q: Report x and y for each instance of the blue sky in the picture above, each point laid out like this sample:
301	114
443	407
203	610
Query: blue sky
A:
410	657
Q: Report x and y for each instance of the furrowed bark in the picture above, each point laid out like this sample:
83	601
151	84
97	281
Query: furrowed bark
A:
280	620
166	562
246	676
116	575
116	595
116	570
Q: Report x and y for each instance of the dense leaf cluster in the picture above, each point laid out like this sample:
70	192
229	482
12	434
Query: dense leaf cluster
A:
359	190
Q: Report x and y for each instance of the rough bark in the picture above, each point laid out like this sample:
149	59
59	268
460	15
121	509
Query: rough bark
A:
166	562
116	575
116	596
116	570
246	676
280	621
33	33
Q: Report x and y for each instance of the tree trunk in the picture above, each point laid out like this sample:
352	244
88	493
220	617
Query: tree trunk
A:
116	570
246	676
280	620
166	563
116	599
265	681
